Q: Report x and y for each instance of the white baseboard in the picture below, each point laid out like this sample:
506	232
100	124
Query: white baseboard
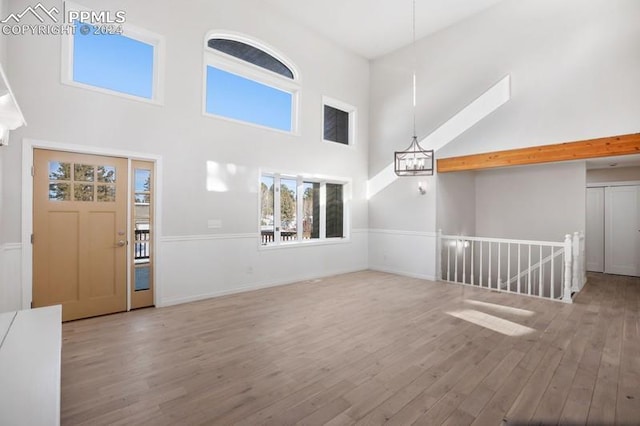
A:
10	277
402	273
255	286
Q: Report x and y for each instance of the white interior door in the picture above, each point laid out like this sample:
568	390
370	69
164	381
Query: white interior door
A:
622	230
595	230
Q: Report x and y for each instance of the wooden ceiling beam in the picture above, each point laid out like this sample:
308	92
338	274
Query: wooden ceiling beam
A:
580	150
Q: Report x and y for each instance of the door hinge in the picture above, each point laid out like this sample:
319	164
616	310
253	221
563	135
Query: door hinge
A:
31	304
33	171
31	238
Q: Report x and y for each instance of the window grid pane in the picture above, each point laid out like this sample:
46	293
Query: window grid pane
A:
335	211
311	210
288	217
267	227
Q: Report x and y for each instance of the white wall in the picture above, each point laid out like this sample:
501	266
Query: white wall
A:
178	132
457	203
4	11
614	174
574	65
575	74
539	202
9	295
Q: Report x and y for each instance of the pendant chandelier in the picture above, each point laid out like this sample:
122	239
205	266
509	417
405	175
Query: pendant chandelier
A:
414	161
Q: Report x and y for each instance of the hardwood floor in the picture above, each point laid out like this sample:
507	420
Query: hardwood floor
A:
362	348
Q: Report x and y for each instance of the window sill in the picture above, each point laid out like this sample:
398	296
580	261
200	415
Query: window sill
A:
155	100
250	124
294	244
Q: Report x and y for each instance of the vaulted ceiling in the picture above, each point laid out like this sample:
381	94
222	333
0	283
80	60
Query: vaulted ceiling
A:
373	28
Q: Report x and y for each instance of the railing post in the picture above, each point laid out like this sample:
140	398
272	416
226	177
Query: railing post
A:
568	243
577	274
439	255
583	259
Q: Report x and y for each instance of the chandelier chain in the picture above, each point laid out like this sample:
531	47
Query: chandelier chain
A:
415	60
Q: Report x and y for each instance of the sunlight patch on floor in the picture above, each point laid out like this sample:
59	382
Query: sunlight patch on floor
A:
501	308
497	324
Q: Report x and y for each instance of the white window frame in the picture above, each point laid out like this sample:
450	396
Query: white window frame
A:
301	179
231	64
128	30
350	110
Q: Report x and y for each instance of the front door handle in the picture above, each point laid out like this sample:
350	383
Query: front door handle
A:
121	243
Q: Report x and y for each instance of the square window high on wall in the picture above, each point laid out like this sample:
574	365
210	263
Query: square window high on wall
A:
117	59
338	121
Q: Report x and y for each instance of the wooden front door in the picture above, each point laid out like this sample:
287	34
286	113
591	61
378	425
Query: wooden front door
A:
80	233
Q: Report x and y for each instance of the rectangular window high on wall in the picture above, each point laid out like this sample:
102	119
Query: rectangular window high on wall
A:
232	96
338	122
117	59
296	209
247	81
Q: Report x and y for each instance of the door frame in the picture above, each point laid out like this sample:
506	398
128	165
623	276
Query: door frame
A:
28	147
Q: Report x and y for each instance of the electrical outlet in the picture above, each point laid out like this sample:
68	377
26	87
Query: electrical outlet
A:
214	224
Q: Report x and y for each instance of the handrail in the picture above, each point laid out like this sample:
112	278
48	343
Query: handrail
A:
504	240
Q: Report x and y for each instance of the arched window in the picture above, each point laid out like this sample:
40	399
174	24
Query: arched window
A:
249	82
251	54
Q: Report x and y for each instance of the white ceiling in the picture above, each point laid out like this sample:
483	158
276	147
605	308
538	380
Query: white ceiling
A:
373	28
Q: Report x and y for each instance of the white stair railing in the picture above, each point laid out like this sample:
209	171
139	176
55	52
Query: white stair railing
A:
552	270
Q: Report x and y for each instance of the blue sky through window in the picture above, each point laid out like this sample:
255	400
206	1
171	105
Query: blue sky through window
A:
141	177
232	96
113	61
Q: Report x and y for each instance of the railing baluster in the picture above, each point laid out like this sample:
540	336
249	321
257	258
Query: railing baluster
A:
553	274
448	261
529	273
473	261
489	276
498	280
464	261
508	267
481	244
519	264
540	273
440	246
455	262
